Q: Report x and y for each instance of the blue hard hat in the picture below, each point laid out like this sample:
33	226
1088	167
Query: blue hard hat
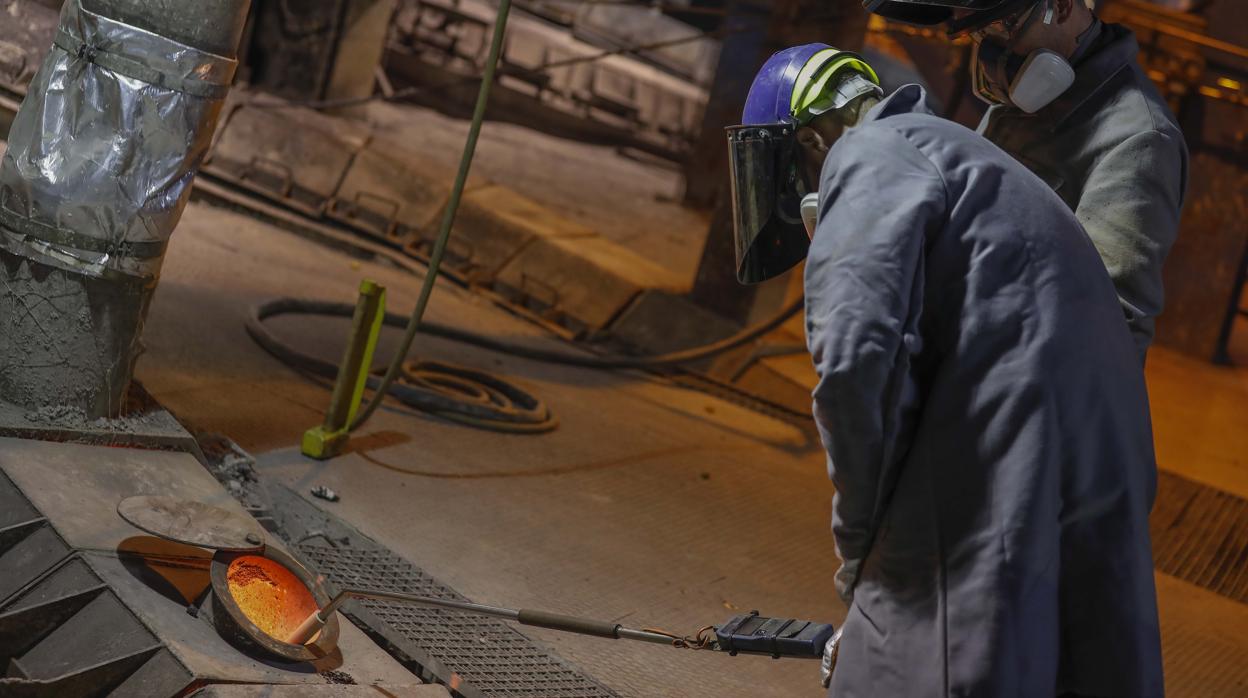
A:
793	87
771	95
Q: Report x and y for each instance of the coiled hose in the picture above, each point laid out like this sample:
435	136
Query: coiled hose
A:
301	306
456	393
466	395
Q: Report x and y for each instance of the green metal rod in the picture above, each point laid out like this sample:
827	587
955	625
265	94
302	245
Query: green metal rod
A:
448	219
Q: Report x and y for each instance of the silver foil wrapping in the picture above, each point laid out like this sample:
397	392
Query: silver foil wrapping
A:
104	149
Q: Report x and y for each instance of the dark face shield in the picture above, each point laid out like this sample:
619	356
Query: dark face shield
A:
958	16
766	201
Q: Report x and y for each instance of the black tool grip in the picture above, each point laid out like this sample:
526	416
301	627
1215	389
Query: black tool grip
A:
555	621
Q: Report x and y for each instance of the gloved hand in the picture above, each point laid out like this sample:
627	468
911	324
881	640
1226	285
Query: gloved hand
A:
830	652
845	579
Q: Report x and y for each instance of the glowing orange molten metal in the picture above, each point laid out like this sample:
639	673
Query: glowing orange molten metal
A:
270	595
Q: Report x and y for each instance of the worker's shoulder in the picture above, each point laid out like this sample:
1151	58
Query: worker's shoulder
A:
1125	96
895	149
893	133
919	122
903	115
947	146
1128	104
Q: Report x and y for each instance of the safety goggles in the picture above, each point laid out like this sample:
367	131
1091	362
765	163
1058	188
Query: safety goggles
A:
1006	28
1006	17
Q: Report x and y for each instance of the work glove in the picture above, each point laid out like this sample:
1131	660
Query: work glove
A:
830	651
845	579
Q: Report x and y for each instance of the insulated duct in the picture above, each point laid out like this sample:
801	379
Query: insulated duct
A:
98	170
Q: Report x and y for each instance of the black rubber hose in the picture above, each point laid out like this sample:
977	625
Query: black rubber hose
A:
300	306
412	324
532	417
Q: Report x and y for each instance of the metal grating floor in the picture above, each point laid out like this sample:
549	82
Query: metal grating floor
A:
487	654
1200	535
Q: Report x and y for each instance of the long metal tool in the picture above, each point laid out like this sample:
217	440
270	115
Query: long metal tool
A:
540	619
749	633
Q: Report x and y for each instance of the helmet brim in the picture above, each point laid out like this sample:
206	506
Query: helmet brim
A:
926	13
910	13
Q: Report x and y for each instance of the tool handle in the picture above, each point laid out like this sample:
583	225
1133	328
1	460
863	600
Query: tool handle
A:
310	626
571	624
778	637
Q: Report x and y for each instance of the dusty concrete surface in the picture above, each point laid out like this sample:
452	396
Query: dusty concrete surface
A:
66	341
143	424
140	416
331	691
650	504
1204	648
631	201
1200	415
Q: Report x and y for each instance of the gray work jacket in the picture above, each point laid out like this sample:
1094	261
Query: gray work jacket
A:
1111	148
986	423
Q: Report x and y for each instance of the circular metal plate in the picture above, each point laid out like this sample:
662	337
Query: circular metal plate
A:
193	523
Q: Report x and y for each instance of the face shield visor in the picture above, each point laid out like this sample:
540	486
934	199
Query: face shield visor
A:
767	191
958	16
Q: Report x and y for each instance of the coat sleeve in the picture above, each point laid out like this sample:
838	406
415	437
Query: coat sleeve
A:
880	200
1130	209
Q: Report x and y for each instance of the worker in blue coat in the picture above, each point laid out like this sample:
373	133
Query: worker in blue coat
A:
980	400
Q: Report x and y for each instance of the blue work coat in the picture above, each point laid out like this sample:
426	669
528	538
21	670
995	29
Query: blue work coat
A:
986	422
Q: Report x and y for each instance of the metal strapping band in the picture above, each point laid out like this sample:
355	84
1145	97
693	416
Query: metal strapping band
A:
67	238
136	70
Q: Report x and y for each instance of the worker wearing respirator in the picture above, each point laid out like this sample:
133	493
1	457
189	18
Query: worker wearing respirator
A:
979	396
1070	101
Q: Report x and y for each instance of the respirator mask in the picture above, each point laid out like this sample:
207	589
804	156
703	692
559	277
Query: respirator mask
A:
1000	76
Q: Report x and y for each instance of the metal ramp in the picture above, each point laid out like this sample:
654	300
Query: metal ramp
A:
63	632
1200	535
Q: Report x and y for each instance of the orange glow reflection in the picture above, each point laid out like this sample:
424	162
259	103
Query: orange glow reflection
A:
270	595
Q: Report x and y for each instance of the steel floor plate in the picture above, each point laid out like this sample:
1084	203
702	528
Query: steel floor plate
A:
473	655
1200	535
488	654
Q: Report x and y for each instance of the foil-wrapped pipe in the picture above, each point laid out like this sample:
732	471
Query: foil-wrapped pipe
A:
99	167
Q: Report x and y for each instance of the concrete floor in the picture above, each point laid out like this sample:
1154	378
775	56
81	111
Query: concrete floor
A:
631	201
1200	415
667	507
653	505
